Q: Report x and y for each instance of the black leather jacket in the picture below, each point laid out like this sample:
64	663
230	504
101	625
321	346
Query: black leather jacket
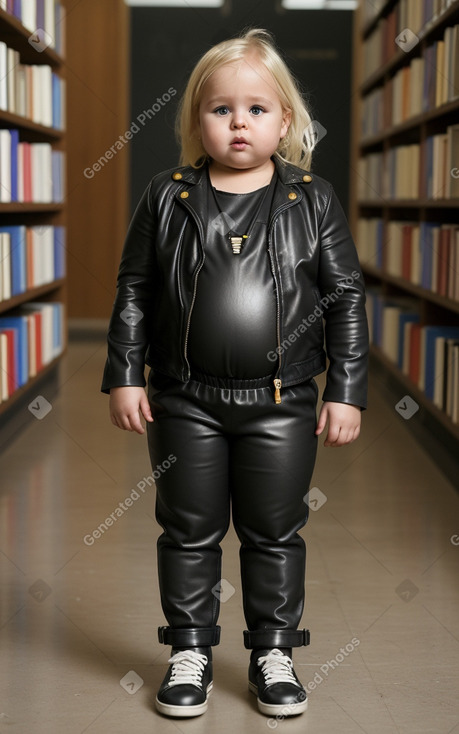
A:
315	269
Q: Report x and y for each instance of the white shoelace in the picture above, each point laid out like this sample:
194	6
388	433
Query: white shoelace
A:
277	668
187	667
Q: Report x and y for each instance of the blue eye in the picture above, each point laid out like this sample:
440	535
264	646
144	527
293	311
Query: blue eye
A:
222	110
256	110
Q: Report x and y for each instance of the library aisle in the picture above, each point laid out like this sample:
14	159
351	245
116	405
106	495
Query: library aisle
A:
80	607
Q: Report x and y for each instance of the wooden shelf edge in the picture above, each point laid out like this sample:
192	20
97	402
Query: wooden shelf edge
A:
412	288
29	207
416	393
24	389
410	203
27	124
31	294
410	123
9	24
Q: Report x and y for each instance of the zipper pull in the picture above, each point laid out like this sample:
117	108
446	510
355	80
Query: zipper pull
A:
277	395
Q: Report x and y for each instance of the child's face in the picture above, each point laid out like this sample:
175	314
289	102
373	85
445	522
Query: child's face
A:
240	101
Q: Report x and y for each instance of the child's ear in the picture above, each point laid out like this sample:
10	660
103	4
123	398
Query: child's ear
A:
286	120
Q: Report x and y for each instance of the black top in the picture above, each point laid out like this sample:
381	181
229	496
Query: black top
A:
233	322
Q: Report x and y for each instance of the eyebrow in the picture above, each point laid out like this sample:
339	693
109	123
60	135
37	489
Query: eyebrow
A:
253	100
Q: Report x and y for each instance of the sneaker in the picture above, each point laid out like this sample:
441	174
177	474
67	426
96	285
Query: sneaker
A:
187	683
276	685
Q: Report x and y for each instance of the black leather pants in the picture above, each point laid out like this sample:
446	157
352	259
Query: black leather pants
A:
234	449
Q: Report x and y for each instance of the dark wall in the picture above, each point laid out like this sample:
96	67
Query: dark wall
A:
166	43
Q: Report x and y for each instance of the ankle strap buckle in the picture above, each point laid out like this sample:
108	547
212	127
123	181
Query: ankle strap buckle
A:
192	637
276	638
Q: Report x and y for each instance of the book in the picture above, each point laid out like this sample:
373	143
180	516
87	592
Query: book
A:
427	374
9	359
18	325
452	132
30	338
30	172
29	257
48	15
33	91
3	367
422	83
451	395
16	261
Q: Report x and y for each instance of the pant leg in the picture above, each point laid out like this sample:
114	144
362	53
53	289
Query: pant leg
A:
192	503
271	465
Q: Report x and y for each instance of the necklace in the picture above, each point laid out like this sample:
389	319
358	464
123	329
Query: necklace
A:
237	240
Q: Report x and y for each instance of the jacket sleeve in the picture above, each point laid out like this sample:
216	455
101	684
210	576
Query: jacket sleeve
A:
342	292
128	332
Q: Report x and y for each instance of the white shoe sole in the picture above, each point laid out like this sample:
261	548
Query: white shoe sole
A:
274	709
182	711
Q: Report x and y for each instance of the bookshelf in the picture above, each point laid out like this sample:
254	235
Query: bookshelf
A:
98	113
405	199
32	203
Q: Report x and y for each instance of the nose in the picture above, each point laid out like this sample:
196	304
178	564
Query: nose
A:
238	120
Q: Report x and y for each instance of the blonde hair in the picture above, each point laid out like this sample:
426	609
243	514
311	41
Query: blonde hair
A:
296	147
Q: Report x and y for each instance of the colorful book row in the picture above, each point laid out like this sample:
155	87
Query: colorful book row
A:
29	257
29	340
426	353
29	172
413	171
425	84
31	91
424	253
40	15
401	29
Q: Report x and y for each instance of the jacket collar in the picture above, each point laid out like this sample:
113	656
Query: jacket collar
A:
192	198
287	172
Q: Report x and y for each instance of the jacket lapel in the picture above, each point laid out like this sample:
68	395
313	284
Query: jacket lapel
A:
196	201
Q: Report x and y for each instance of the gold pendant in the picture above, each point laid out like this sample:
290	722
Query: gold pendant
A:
236	244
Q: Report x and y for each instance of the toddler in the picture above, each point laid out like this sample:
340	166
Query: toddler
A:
238	269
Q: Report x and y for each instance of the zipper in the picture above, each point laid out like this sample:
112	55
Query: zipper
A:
277	380
195	287
277	395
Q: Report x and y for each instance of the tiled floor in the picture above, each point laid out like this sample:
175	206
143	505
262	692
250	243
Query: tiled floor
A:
76	619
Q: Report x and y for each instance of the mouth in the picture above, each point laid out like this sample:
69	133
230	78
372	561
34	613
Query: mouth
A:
239	143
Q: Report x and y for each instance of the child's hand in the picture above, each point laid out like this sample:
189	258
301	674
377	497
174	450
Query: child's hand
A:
126	405
344	423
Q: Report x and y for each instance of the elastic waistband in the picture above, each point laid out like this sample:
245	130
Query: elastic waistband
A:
232	383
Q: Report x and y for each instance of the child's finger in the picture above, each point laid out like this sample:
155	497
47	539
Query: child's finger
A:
127	421
146	410
333	435
321	423
345	436
119	421
114	421
135	422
